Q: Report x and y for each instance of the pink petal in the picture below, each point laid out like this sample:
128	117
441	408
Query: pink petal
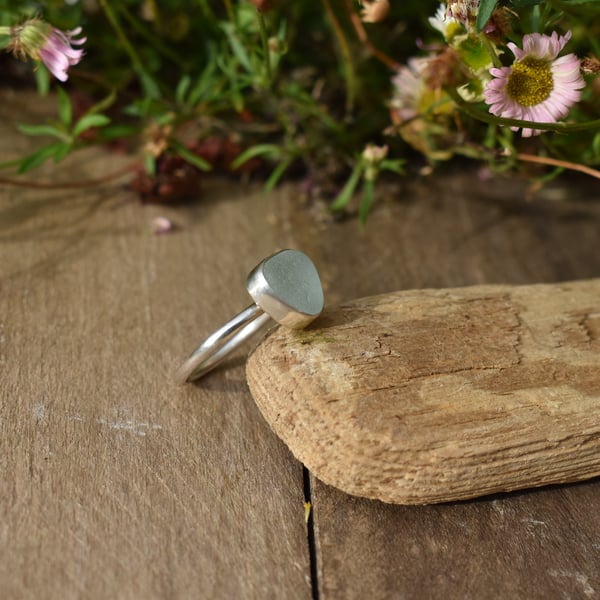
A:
161	225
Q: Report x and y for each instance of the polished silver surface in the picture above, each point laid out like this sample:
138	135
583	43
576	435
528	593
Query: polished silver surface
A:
285	287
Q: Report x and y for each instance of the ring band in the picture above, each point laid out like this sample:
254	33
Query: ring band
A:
222	342
285	287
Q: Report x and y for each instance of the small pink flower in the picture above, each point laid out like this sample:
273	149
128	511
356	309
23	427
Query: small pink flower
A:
58	54
161	225
39	41
538	86
409	88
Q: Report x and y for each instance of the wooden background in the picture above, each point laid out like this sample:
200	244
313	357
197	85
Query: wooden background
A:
118	484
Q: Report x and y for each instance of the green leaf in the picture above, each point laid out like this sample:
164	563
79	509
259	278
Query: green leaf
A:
269	150
190	156
103	104
61	152
467	150
48	130
206	82
42	79
149	164
474	53
10	164
348	190
57	151
113	132
367	201
166	118
391	164
486	8
277	173
151	89
144	107
523	3
596	145
88	121
237	47
579	2
182	89
65	110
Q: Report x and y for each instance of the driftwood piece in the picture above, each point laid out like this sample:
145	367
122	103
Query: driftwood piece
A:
428	396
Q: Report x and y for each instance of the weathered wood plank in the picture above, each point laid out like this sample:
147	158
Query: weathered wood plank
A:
541	544
430	396
116	482
445	232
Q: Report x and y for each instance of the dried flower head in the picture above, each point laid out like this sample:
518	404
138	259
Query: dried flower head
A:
157	139
464	11
374	11
442	69
499	27
590	64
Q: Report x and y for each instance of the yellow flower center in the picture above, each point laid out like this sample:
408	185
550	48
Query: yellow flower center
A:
530	81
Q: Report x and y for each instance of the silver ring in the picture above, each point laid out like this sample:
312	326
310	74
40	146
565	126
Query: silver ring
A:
285	288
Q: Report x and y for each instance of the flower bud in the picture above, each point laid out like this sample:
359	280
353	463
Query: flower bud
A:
374	154
374	11
29	38
262	5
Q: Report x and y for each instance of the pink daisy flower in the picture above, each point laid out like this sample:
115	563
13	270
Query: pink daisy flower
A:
58	54
538	86
38	40
409	86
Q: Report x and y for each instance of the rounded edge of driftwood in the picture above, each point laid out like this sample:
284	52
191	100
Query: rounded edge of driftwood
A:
514	415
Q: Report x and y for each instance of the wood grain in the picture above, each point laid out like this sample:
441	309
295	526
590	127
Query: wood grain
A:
436	395
539	544
117	483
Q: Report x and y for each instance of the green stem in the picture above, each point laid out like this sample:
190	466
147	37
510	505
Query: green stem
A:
489	118
230	12
367	200
129	49
346	57
156	43
490	50
5	30
265	44
209	14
